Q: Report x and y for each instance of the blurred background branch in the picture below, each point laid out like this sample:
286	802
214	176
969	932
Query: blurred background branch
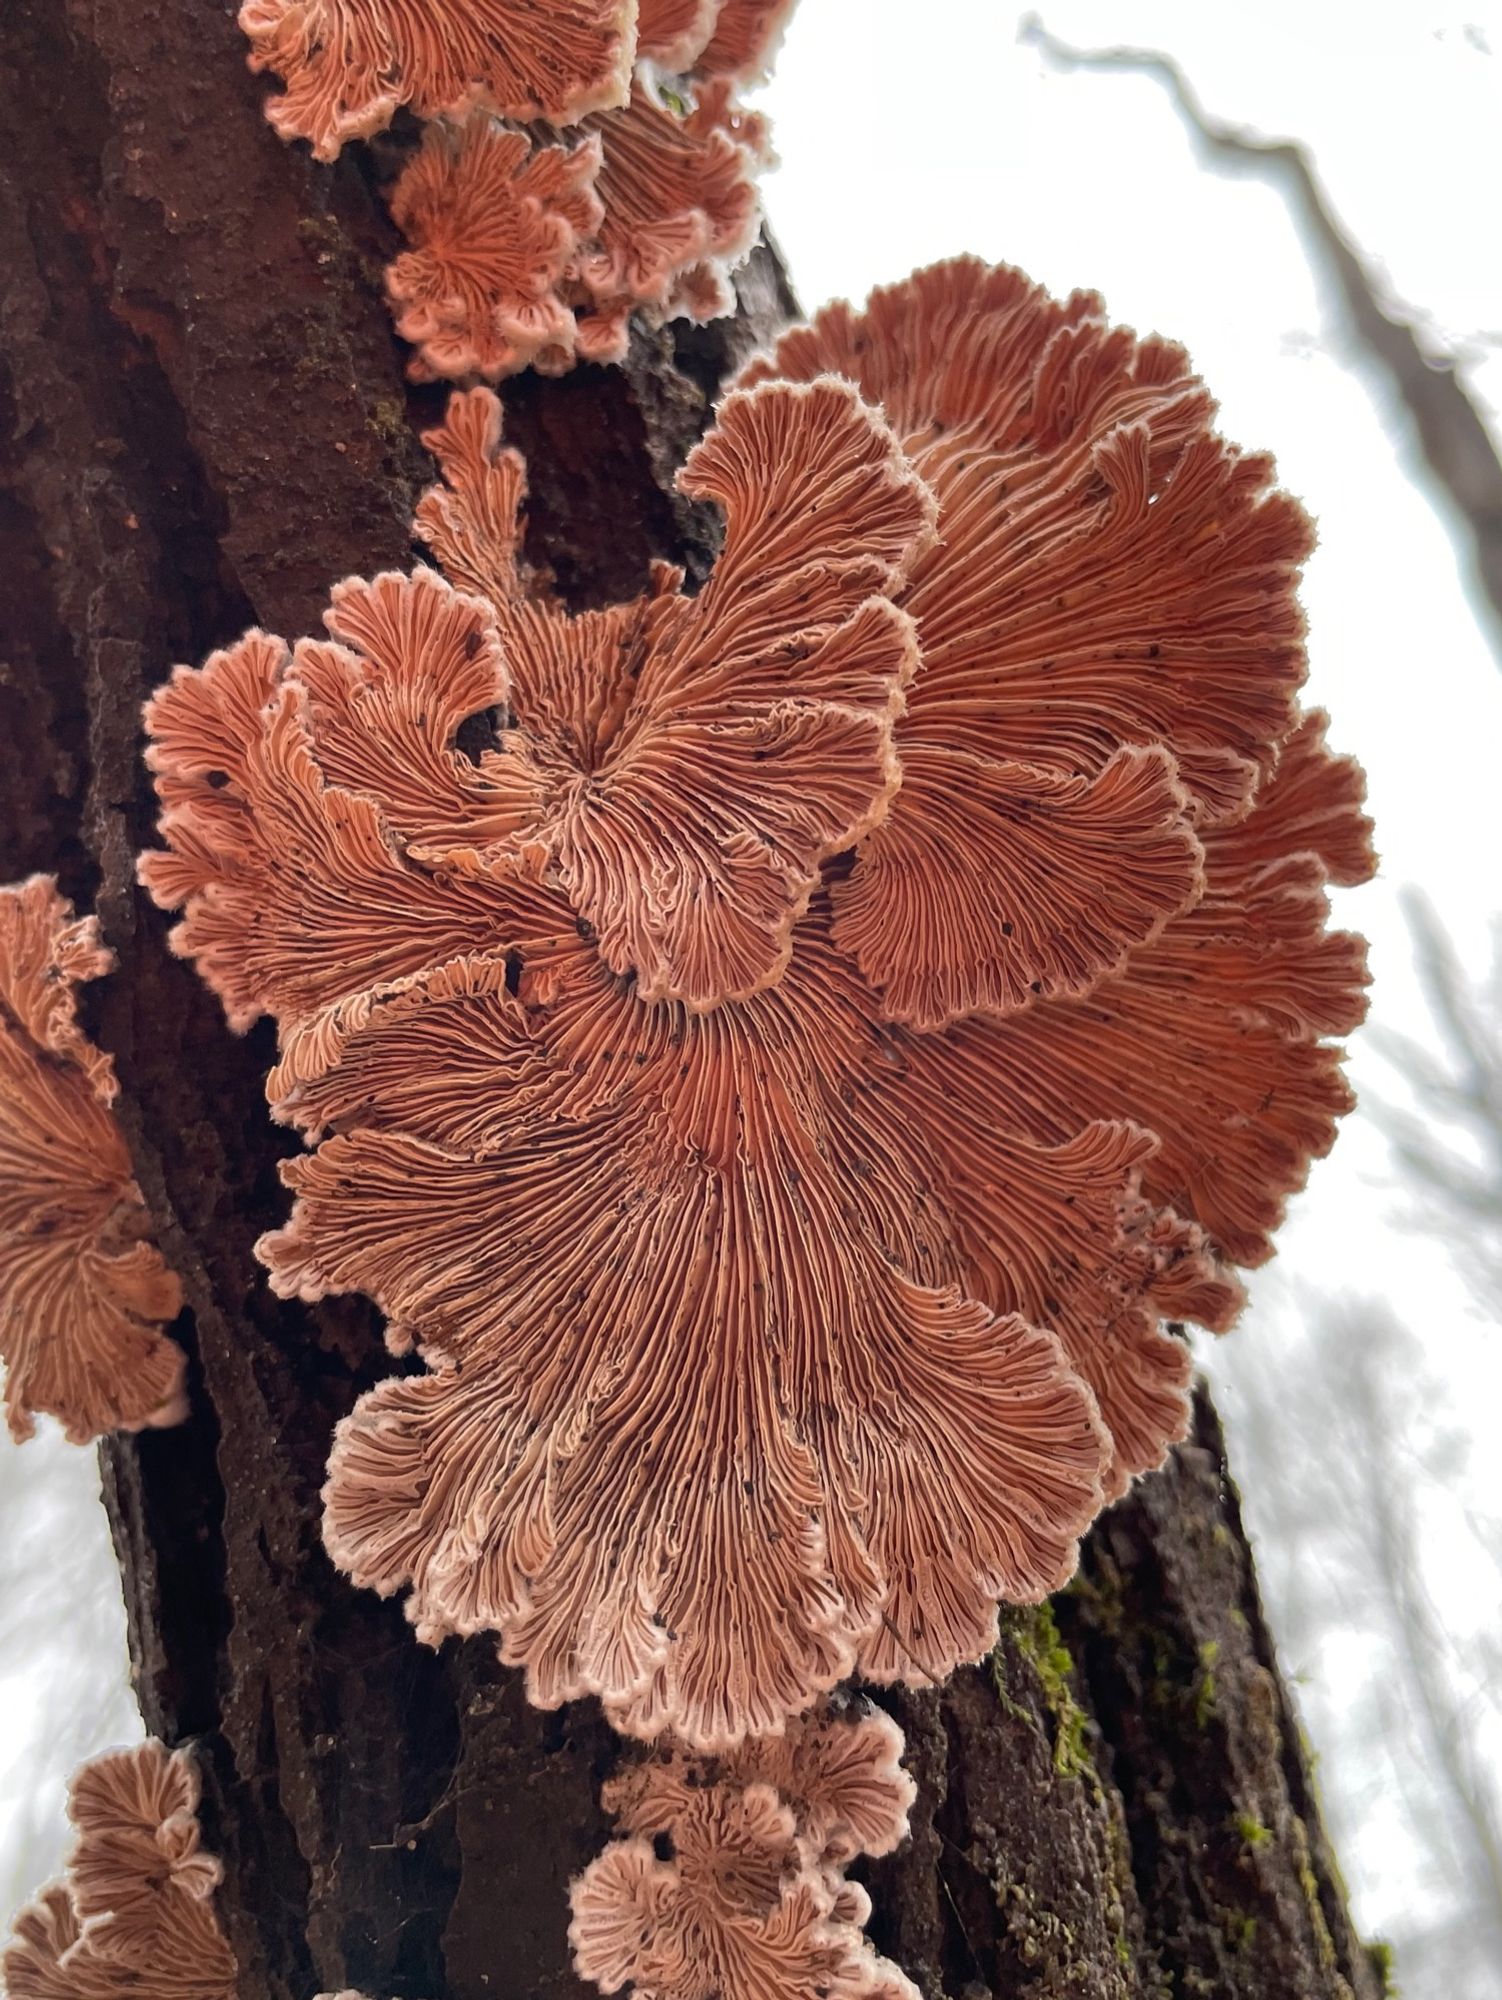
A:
1451	433
1447	1140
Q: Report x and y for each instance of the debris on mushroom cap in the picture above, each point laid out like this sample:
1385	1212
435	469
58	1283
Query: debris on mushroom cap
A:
134	1914
1110	637
843	1324
83	1293
749	1897
349	65
495	224
530	254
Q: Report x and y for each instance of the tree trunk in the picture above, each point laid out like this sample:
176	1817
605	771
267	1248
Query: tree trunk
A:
203	424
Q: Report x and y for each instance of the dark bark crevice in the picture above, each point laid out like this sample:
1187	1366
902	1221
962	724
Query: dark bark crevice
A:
203	425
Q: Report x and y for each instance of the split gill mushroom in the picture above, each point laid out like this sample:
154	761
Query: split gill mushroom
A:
583	160
350	65
134	1914
84	1294
728	1875
783	1081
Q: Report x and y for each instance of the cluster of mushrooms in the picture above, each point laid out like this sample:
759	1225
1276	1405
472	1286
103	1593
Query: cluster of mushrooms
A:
794	1073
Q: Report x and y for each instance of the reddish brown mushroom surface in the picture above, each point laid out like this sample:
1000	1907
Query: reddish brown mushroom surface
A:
495	224
608	192
730	38
786	1178
525	253
350	65
671	33
745	38
83	1294
678	186
729	1878
134	1915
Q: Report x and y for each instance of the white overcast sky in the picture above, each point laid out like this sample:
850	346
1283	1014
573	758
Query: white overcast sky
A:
908	132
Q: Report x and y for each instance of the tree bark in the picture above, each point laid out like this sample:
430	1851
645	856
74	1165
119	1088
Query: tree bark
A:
203	423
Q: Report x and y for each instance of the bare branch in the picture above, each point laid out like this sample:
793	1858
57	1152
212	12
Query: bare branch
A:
1450	431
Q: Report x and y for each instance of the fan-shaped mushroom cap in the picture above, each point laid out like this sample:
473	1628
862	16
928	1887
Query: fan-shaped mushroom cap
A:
736	39
494	223
818	1312
513	238
297	891
349	65
705	756
83	1294
135	1914
745	39
838	1771
671	33
678	1173
751	1899
1110	636
1211	1038
683	765
678	183
136	1812
661	1186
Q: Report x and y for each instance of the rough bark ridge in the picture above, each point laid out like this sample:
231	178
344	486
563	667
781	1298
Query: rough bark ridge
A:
202	425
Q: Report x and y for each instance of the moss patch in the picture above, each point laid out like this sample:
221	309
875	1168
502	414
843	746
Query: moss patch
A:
1379	1956
1204	1687
1034	1634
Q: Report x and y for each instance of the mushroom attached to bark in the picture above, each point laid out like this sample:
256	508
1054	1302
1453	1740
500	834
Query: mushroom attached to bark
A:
678	183
525	253
134	1914
829	1265
84	1294
729	1879
350	65
494	223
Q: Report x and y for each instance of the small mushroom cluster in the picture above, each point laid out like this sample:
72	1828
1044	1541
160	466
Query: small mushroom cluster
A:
584	159
789	1057
730	1879
84	1295
134	1915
